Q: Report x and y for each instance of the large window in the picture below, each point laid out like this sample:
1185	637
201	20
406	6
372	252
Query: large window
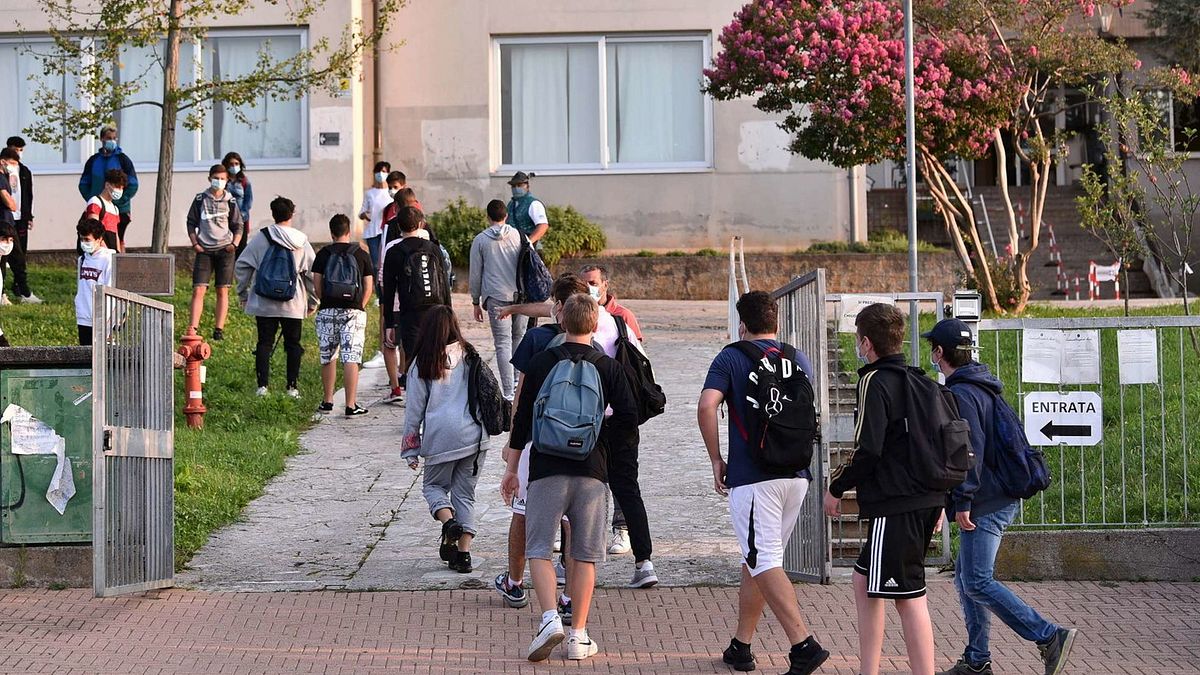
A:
267	133
604	103
1180	117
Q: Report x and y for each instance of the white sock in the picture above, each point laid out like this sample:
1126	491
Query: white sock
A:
548	615
578	633
564	599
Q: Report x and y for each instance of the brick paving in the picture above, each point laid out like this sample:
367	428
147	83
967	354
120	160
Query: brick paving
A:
1126	628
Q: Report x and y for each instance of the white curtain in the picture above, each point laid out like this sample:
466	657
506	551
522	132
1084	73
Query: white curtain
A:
552	110
140	127
655	107
274	131
16	68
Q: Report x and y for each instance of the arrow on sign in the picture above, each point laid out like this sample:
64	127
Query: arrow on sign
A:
1065	430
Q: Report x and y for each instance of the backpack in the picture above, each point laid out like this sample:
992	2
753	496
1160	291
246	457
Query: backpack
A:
651	400
486	403
343	278
939	440
781	419
276	276
533	277
569	408
422	278
1019	468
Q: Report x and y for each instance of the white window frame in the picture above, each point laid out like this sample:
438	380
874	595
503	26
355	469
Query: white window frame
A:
605	166
88	144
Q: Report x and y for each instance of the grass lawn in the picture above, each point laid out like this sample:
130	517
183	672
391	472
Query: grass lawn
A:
219	469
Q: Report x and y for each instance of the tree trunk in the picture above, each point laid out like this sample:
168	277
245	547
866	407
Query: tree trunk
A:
166	145
1014	232
1039	172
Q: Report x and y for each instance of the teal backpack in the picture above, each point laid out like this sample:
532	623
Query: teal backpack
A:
569	409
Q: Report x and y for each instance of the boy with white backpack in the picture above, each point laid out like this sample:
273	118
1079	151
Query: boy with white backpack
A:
561	409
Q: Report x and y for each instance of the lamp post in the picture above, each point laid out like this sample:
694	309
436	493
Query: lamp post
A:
910	175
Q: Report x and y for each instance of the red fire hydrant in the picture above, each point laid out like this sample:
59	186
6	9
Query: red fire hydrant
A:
194	350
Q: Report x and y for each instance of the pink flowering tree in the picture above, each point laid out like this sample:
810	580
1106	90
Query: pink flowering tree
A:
834	71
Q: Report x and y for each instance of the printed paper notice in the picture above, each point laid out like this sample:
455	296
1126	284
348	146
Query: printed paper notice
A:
1081	357
1138	353
851	304
1041	356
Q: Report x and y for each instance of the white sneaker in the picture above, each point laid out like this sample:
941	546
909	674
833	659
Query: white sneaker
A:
4	301
293	392
644	576
619	544
579	648
262	391
31	299
375	361
548	636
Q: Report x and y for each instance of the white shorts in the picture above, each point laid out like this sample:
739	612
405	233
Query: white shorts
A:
764	516
518	502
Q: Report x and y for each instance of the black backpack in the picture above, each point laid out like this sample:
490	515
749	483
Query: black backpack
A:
343	278
276	276
422	277
486	403
651	400
533	277
781	425
939	440
1019	468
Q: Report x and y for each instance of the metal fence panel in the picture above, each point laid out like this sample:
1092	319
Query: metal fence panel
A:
133	443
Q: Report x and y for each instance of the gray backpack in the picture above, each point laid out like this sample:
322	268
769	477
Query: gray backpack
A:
569	409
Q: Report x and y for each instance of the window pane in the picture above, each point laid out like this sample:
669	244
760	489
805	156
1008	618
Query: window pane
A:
274	128
1187	125
16	67
139	127
655	106
550	107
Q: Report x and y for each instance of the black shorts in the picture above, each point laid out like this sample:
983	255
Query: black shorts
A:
219	261
110	240
893	559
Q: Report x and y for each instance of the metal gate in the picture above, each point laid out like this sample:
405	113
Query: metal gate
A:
802	324
133	443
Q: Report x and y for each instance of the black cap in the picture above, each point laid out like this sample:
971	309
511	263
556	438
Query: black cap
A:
15	142
520	177
950	334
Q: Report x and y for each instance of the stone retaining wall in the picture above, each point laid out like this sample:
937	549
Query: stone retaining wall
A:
1112	555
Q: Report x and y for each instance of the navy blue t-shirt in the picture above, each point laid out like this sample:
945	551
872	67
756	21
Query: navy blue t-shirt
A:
728	374
531	345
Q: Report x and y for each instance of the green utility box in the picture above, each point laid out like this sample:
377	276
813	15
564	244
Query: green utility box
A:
58	393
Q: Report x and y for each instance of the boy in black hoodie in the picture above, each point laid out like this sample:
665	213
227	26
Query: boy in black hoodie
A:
901	513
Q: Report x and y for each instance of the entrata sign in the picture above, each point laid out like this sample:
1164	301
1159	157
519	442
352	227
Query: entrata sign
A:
1072	418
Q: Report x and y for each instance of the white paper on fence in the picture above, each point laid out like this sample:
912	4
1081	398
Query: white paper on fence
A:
853	303
1107	272
1041	356
31	436
1137	351
733	298
1081	357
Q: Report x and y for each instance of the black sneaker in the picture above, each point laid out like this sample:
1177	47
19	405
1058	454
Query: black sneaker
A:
451	531
803	664
325	407
514	596
564	610
218	334
461	562
739	657
356	411
1056	651
964	668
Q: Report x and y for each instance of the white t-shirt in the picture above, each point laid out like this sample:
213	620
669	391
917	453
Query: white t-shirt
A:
374	202
537	213
93	268
14	184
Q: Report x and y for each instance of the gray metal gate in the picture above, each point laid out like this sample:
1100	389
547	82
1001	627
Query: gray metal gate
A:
802	324
133	443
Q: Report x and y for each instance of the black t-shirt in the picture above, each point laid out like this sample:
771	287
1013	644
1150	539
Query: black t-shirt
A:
6	215
364	266
615	436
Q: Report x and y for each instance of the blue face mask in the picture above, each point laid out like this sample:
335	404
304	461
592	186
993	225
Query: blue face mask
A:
858	350
519	192
110	145
234	169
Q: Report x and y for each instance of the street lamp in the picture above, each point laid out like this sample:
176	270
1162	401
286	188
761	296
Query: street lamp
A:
910	175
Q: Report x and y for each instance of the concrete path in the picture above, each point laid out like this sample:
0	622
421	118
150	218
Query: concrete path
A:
348	514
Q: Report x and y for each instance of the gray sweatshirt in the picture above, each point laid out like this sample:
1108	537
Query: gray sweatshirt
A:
214	220
494	254
305	299
436	416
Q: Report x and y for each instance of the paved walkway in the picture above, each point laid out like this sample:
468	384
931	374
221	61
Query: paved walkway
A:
1127	628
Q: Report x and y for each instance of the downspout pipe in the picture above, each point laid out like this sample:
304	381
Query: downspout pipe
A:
376	90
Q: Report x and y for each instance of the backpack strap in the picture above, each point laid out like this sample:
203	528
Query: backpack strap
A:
751	350
622	329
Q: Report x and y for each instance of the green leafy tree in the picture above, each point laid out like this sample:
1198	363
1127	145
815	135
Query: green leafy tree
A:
91	39
1178	24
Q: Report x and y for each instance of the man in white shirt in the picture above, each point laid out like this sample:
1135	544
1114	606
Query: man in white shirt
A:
526	212
375	201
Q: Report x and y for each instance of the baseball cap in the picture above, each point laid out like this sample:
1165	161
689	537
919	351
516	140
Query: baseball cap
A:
950	334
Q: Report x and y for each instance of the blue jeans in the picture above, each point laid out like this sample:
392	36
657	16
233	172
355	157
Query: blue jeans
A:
375	248
981	595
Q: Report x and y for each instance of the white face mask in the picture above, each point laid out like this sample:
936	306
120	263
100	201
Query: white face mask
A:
933	360
217	184
88	246
862	358
380	176
392	192
594	291
116	193
234	169
6	248
12	169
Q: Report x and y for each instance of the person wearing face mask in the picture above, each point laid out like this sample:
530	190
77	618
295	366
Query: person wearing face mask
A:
94	268
103	207
92	181
374	202
243	194
983	512
21	188
214	226
8	235
526	212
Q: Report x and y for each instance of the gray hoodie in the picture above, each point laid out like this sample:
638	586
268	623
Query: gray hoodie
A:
304	301
494	254
214	220
436	413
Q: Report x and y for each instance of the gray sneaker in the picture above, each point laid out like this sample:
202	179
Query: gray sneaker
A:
644	576
1056	651
964	668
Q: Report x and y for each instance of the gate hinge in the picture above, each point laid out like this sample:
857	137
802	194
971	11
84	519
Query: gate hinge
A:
107	444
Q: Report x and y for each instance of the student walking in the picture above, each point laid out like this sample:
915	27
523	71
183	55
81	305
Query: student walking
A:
20	187
983	510
764	505
493	285
901	512
375	200
413	280
103	207
243	193
568	469
214	226
275	286
93	268
439	427
344	280
95	176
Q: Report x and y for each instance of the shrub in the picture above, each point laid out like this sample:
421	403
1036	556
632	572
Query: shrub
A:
709	253
456	226
676	254
880	241
645	254
570	236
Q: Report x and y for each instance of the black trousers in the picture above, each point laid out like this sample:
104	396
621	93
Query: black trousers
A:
268	327
623	481
16	262
85	335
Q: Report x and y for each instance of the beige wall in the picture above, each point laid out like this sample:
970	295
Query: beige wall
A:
438	108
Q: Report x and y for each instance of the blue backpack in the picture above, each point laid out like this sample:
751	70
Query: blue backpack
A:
276	276
533	277
1019	468
569	409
